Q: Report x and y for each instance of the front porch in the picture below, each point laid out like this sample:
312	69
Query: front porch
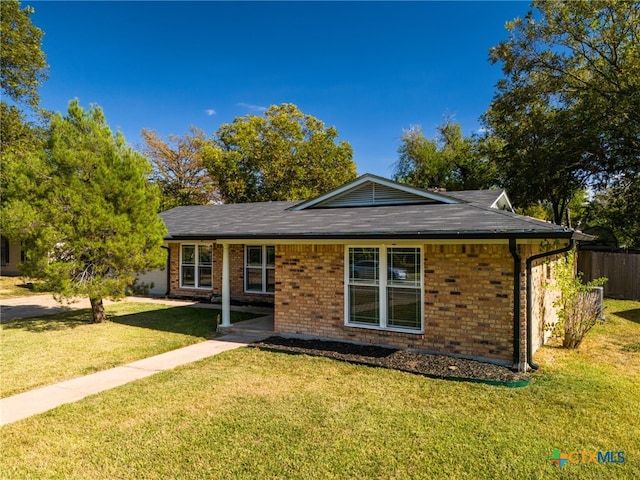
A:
258	325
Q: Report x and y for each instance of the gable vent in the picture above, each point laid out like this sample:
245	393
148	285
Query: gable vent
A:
372	194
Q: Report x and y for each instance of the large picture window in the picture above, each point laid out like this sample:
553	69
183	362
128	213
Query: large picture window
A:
384	288
260	268
196	266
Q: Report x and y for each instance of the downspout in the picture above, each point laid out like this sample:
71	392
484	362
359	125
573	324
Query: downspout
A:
166	294
513	248
530	260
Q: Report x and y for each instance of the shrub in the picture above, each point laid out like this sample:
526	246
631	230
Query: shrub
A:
578	307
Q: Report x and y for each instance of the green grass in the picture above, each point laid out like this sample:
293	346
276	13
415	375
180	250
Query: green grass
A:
44	350
11	287
257	414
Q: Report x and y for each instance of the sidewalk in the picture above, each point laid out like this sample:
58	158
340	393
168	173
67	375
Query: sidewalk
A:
42	399
39	305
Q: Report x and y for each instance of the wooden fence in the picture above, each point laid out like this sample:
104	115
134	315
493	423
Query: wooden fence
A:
621	269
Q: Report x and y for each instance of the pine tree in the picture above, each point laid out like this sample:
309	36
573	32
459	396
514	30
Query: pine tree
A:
87	215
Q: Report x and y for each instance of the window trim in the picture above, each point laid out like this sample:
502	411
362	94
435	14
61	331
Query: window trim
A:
264	268
383	285
196	266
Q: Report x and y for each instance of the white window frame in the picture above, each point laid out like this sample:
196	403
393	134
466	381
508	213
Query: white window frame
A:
196	266
383	285
264	268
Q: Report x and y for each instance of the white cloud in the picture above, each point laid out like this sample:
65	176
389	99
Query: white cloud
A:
210	111
253	108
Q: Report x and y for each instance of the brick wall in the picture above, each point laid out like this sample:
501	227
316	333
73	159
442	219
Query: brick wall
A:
236	277
468	299
310	291
544	295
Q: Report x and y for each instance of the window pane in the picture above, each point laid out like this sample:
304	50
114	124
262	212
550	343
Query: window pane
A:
403	266
253	279
204	277
364	265
404	308
271	280
188	277
364	304
271	255
254	256
188	254
204	255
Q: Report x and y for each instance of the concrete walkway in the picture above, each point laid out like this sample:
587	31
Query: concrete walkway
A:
23	405
40	305
42	399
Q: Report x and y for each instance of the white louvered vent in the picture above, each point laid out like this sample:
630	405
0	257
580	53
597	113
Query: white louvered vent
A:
372	194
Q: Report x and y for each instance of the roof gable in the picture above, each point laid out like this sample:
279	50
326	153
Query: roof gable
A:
489	198
370	191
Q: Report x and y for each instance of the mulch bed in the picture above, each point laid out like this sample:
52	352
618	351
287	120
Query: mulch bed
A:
437	366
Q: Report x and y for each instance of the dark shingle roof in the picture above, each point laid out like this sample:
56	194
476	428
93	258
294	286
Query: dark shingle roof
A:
272	220
481	197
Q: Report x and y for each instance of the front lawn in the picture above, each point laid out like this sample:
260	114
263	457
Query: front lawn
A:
11	287
252	414
44	350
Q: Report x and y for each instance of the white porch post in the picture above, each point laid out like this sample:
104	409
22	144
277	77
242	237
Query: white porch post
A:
226	302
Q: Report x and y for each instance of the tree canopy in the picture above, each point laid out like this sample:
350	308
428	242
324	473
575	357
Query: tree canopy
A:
22	70
451	161
23	65
568	107
282	155
178	168
616	209
87	214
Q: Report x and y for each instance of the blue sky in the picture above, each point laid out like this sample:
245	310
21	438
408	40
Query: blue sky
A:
371	69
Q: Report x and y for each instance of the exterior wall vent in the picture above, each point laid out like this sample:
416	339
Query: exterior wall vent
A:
371	194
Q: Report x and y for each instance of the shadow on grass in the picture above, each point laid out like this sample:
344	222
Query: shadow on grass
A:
60	321
198	322
632	315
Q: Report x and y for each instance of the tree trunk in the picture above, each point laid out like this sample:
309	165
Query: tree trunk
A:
97	308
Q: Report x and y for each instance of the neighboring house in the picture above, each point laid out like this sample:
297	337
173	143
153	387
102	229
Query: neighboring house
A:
154	282
10	257
379	262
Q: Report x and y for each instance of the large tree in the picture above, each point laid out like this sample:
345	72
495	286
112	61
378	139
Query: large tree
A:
451	161
87	213
281	155
22	69
20	142
23	65
568	108
616	209
178	168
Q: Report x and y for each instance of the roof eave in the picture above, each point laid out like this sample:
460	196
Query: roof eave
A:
478	235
